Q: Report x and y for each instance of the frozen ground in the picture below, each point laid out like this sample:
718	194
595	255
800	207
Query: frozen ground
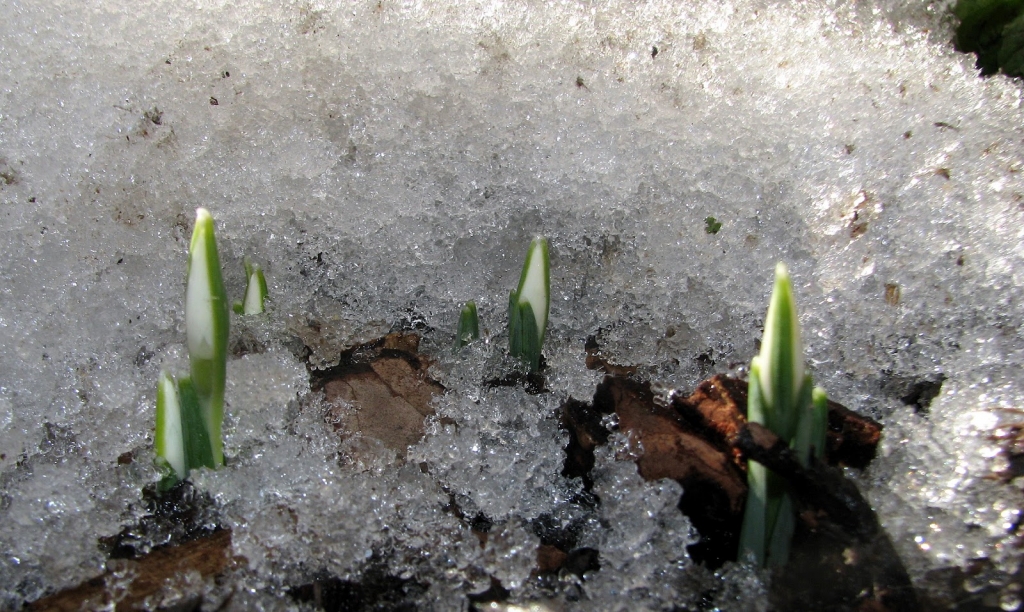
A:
386	161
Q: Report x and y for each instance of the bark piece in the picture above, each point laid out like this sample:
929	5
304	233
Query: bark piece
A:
550	558
164	577
716	410
381	390
852	438
596	360
671	448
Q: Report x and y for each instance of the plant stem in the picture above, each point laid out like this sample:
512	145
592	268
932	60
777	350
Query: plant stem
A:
206	327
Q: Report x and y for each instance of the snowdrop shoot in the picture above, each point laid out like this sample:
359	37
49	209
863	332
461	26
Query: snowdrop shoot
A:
255	290
469	325
169	443
206	325
189	411
528	305
780	397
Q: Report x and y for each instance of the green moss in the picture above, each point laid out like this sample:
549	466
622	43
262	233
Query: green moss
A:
712	225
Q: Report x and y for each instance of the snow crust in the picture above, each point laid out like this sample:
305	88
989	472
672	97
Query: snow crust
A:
389	161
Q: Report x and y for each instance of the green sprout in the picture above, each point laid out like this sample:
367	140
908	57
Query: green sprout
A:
529	304
469	325
255	290
189	411
182	440
169	442
780	397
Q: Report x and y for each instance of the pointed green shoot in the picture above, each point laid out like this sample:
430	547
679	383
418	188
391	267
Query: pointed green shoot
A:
169	443
780	397
206	328
529	304
469	325
782	360
255	288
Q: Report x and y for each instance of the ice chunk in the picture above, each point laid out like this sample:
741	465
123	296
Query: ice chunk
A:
387	162
640	535
501	451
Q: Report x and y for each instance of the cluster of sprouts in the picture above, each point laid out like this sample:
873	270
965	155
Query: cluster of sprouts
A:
781	396
528	307
190	409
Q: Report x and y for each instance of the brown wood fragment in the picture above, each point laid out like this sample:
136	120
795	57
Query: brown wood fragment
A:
381	390
596	360
717	410
852	438
583	423
671	449
550	558
168	572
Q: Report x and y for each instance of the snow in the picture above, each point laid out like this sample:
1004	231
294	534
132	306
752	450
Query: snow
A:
388	161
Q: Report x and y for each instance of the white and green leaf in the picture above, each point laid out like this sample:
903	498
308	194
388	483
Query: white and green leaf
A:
782	360
529	305
255	288
169	443
206	328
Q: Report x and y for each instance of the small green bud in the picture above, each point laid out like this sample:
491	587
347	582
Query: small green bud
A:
529	304
469	325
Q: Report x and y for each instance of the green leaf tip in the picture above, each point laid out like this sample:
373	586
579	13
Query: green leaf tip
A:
469	325
781	358
781	397
255	289
529	305
206	304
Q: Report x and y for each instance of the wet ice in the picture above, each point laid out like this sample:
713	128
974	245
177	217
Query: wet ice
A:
388	162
